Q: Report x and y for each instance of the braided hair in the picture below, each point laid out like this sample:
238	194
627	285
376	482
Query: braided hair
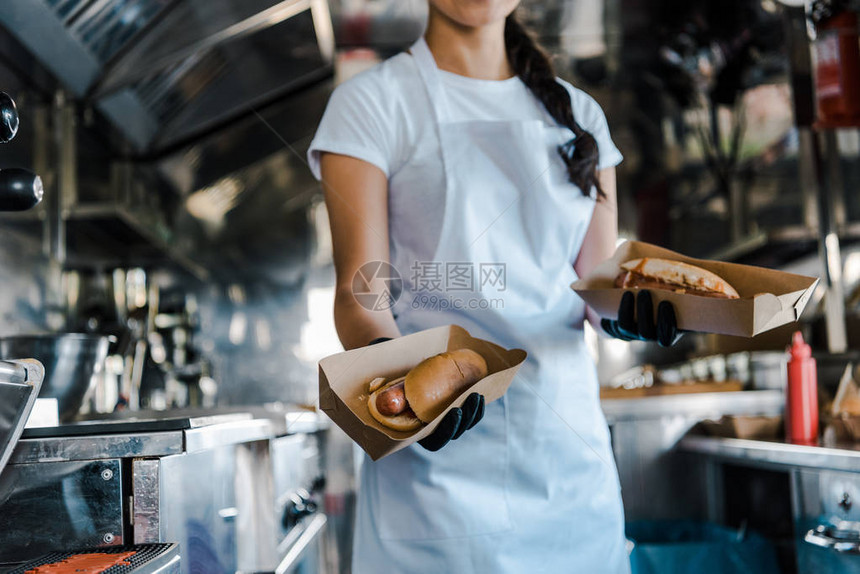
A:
534	68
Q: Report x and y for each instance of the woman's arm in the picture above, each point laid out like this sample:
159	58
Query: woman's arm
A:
602	234
356	195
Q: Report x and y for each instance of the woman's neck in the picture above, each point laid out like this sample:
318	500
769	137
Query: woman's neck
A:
476	52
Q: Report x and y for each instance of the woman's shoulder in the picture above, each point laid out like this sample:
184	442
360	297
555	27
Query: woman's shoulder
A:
586	110
389	81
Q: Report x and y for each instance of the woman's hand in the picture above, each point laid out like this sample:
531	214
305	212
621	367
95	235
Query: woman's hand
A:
456	422
636	320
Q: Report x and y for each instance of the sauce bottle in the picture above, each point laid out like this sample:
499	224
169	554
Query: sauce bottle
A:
801	394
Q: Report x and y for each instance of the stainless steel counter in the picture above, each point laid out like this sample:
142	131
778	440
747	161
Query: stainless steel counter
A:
772	454
257	477
657	480
138	445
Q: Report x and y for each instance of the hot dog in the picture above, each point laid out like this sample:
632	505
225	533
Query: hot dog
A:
406	403
655	273
392	400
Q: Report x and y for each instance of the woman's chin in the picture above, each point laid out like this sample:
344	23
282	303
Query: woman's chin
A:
475	13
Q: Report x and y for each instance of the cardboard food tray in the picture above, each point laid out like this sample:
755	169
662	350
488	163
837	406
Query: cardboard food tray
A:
759	427
768	298
344	378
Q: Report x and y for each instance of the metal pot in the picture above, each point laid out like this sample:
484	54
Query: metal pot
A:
70	361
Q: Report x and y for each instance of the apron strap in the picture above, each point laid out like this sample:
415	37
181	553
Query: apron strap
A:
429	73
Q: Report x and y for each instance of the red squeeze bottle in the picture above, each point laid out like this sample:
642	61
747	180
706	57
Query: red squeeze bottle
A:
801	394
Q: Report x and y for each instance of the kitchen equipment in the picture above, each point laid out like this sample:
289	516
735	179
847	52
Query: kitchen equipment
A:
20	189
8	118
20	382
827	519
147	559
135	424
164	72
768	370
70	361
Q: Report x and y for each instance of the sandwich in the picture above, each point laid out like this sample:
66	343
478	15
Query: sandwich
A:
655	273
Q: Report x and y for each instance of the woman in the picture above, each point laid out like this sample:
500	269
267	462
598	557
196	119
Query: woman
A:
467	153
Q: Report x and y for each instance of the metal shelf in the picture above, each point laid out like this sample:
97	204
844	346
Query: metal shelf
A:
113	230
773	247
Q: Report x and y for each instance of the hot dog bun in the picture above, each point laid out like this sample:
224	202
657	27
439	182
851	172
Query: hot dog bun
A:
435	382
406	421
655	273
429	388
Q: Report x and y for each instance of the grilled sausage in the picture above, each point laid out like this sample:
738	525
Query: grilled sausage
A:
392	401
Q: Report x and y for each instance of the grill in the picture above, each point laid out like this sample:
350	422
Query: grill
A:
147	558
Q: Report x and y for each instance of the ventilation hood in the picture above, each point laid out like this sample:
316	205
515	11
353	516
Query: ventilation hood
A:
165	72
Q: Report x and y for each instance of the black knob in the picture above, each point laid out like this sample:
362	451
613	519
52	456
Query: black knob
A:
846	503
318	484
300	505
8	118
19	189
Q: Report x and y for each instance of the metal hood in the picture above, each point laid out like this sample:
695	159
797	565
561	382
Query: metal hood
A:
164	72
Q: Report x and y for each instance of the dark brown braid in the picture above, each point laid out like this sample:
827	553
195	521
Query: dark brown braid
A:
534	68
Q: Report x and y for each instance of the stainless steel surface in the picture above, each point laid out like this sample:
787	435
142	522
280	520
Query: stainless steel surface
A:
163	71
17	398
172	567
78	448
145	493
696	406
774	454
140	444
297	468
658	481
826	537
304	421
70	362
57	506
193	489
839	492
214	436
827	533
128	69
12	373
256	542
306	542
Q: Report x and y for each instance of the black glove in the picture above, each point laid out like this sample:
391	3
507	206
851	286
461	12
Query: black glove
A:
455	423
636	320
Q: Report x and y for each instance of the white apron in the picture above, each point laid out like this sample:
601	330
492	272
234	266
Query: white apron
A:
533	487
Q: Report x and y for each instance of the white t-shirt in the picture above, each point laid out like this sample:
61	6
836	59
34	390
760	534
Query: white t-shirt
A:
383	116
